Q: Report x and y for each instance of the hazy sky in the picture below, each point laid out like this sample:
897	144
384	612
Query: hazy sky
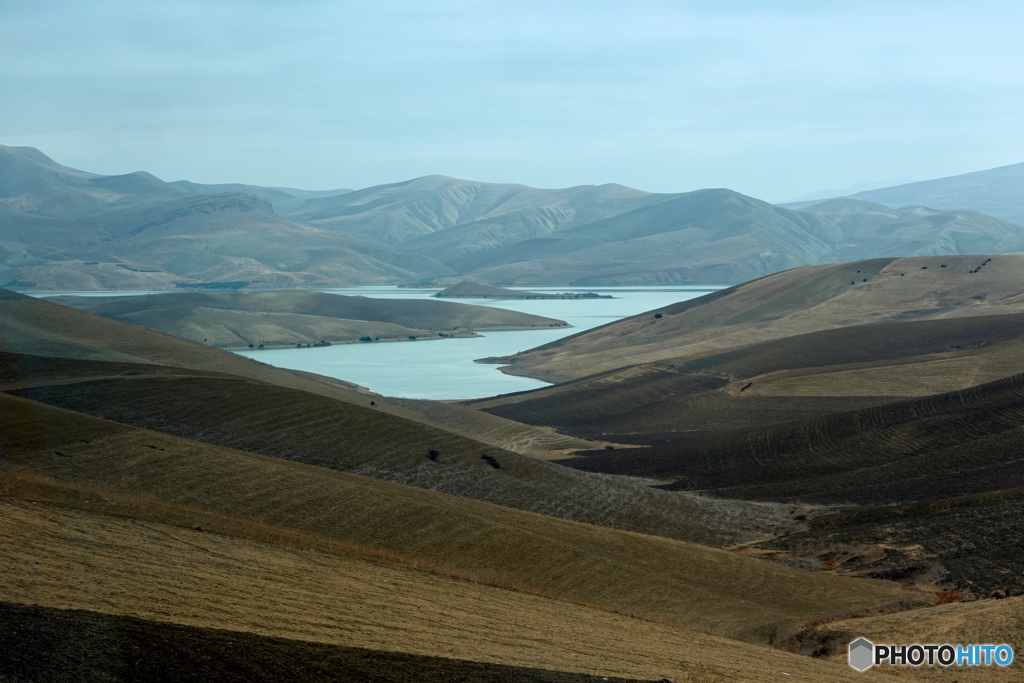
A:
774	99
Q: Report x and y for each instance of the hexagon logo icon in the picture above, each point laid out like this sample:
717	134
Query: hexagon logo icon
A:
862	654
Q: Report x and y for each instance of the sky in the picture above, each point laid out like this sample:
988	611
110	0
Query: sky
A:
773	99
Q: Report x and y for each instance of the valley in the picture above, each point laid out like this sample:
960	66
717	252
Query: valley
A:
699	480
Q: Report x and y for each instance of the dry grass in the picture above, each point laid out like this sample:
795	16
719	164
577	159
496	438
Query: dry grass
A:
979	621
906	377
304	427
674	581
793	302
64	558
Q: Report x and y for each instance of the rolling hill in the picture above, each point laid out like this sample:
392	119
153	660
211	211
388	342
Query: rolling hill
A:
198	497
354	431
290	318
892	398
794	302
491	543
998	192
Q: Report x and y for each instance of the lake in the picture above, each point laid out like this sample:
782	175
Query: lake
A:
444	369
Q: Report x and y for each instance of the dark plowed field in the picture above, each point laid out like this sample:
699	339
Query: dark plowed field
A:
974	544
658	402
54	646
655	404
952	444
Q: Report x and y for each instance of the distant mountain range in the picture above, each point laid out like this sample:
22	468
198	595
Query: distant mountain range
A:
998	192
832	193
61	229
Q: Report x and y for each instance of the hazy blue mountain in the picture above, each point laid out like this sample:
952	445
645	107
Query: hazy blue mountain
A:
481	214
61	228
873	230
846	192
711	236
609	234
997	192
283	199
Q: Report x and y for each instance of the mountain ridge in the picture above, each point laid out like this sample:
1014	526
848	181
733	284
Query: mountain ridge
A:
61	229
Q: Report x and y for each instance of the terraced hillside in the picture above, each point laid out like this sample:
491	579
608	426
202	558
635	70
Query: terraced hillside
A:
57	455
195	604
290	318
303	427
938	446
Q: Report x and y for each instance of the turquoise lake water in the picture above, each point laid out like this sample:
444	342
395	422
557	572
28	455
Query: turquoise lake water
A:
444	369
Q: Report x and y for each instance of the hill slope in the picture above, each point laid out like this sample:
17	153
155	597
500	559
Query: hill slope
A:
683	583
513	235
61	228
287	318
793	302
66	229
998	192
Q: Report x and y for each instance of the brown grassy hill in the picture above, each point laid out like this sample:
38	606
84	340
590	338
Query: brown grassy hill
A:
42	643
937	481
228	329
414	313
982	621
775	381
325	616
789	303
680	582
304	427
36	327
287	318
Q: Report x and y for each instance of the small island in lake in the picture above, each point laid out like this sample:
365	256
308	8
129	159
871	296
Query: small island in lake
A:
468	289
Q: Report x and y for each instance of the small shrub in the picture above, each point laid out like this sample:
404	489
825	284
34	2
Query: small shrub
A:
657	315
491	461
432	454
412	336
251	346
365	339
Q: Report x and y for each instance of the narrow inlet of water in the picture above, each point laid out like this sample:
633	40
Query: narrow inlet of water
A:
445	369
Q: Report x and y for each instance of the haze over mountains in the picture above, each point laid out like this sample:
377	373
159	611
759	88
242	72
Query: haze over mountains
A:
61	228
998	192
